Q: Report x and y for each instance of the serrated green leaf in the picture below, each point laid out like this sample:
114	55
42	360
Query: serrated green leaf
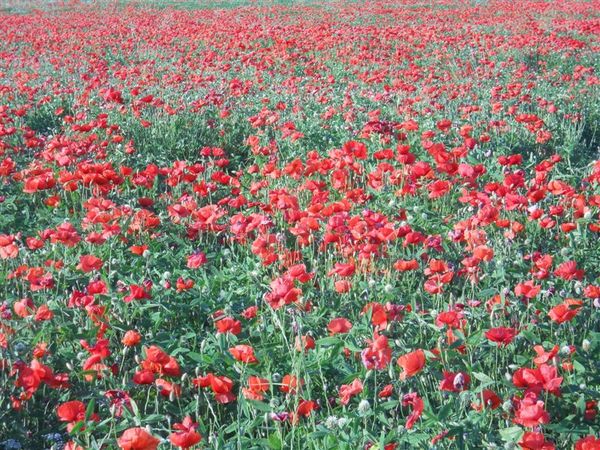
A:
511	434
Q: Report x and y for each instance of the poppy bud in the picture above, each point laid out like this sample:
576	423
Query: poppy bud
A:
20	348
586	345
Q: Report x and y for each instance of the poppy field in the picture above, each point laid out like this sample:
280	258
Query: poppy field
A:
300	225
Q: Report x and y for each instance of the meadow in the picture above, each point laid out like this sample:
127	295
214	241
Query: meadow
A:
299	225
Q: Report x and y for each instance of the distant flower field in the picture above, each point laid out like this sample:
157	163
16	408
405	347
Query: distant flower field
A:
293	225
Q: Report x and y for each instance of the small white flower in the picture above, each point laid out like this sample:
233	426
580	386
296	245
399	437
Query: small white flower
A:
586	345
331	422
363	407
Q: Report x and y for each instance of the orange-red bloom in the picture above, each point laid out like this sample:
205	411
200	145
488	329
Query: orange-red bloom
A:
137	439
347	391
412	363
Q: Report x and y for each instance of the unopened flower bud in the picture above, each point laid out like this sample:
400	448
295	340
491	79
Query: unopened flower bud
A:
586	345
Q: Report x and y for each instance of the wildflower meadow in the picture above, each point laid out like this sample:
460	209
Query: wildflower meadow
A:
335	225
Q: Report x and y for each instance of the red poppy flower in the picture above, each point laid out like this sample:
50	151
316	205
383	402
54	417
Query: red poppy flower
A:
566	311
220	385
450	319
24	307
568	271
455	382
304	343
43	313
166	388
250	312
136	293
541	378
412	363
406	265
387	391
343	270
530	412
229	325
501	335
489	400
347	391
342	286
527	289
185	435
417	405
290	384
282	292
377	355
243	353
8	249
542	356
196	260
535	441
137	439
256	388
89	263
588	443
131	338
72	411
306	407
339	325
72	446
